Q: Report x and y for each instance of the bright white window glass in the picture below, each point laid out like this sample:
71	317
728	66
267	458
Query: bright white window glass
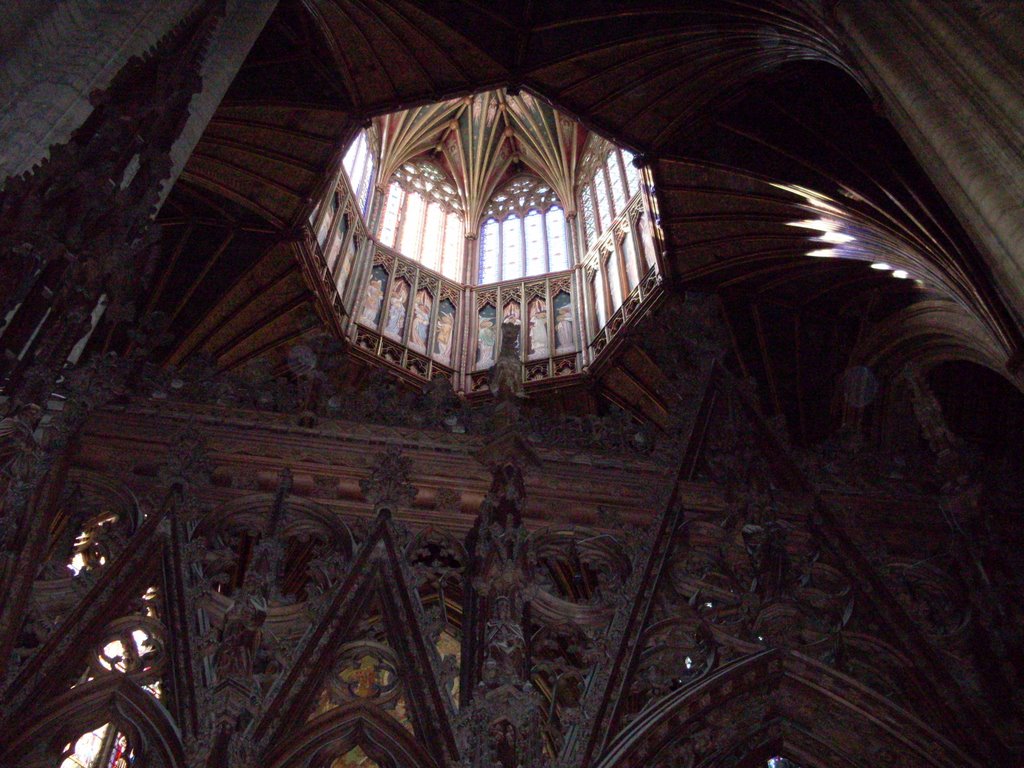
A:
433	232
412	225
511	249
355	158
603	208
558	254
535	255
602	310
489	245
632	172
589	224
615	178
86	749
365	185
629	254
453	242
389	221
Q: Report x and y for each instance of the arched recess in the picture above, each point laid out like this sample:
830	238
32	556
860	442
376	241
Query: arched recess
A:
37	741
779	702
354	725
928	333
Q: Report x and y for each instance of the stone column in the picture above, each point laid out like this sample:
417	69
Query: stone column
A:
950	77
57	53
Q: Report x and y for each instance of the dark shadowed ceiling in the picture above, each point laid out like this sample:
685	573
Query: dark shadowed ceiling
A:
731	102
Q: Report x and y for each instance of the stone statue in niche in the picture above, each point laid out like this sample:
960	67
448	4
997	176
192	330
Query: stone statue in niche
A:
506	376
241	637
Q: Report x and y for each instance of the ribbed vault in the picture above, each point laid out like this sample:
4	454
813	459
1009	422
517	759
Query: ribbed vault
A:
736	106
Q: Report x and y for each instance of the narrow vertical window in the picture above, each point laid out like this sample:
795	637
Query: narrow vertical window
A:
389	221
536	256
511	249
601	194
558	254
412	225
615	179
589	222
632	172
365	185
489	244
451	260
433	231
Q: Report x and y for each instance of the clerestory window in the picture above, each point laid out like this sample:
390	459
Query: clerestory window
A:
523	233
607	191
422	218
359	166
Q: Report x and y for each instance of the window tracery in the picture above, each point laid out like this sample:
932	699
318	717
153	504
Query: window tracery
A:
423	218
523	233
104	747
607	189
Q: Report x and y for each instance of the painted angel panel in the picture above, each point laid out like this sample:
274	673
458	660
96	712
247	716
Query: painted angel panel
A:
564	340
373	298
445	332
486	335
421	307
537	310
395	325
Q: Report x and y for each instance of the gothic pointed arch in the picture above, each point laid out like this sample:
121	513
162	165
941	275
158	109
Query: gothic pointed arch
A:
781	702
356	724
113	699
378	576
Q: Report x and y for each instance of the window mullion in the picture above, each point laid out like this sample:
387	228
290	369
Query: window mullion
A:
501	250
522	246
544	239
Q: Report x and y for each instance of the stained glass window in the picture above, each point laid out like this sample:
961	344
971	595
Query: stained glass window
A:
389	221
433	234
536	253
422	218
511	249
589	223
532	225
603	207
101	748
558	254
412	226
615	179
490	246
632	172
359	166
451	263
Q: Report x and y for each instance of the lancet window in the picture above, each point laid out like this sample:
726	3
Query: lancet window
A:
359	166
422	218
523	233
607	191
